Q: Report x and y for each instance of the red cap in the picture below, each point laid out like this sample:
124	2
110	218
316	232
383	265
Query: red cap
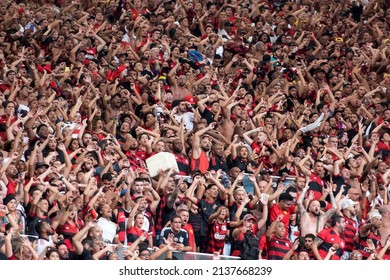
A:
190	99
142	170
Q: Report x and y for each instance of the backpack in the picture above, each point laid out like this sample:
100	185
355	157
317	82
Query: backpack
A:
250	248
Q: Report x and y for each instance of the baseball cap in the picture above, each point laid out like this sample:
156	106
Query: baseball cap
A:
41	164
8	198
348	202
374	214
248	217
142	170
190	99
266	171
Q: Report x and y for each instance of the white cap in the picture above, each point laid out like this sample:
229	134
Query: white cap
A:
348	202
374	214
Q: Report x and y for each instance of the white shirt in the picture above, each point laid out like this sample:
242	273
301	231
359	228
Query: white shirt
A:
42	243
109	229
188	118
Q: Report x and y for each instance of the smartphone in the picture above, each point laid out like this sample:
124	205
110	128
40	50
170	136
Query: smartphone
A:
187	179
248	184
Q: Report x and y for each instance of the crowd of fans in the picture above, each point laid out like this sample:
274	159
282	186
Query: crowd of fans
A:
276	112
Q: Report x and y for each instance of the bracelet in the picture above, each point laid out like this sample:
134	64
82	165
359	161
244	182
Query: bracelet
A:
62	177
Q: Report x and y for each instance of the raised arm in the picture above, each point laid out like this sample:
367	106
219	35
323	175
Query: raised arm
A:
302	167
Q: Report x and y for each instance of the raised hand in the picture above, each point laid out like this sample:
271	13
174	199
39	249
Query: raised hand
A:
279	217
264	198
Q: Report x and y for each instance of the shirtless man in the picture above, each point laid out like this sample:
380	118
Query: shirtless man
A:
356	99
230	107
312	220
179	84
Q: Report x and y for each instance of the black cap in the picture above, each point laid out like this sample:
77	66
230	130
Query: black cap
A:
266	171
41	164
322	204
8	198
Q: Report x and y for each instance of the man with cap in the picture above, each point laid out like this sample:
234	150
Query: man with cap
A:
40	168
369	231
248	227
349	210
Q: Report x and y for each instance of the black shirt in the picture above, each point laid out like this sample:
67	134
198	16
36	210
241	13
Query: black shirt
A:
181	237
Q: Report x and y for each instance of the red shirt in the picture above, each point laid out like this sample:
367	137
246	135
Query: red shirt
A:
11	187
191	236
276	211
386	256
316	185
330	237
3	126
